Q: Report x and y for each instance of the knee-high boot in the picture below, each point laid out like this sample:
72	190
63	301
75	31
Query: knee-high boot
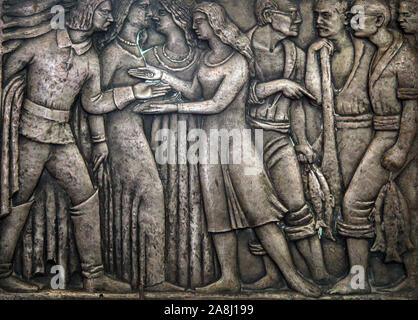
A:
86	221
11	227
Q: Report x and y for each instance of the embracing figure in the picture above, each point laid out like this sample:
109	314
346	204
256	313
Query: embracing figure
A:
138	240
59	66
232	198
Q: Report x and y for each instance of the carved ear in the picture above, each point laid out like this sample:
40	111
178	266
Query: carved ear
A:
380	20
347	18
267	16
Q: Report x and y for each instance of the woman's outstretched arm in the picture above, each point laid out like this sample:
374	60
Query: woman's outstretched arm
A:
189	89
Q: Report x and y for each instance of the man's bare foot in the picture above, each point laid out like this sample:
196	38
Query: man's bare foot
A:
345	287
406	285
221	286
266	282
164	287
324	278
105	283
16	285
304	287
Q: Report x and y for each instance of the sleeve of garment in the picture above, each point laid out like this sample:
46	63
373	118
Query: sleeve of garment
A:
95	101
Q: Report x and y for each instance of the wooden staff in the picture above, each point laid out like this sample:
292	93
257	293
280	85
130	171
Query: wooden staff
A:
330	163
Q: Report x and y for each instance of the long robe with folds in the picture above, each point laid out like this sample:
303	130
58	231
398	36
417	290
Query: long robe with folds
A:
188	246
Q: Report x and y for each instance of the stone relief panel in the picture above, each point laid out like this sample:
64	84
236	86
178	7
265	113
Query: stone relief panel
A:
201	148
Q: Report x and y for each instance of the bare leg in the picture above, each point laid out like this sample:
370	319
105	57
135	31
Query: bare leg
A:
274	242
227	251
408	187
358	202
358	254
271	280
410	283
311	250
286	177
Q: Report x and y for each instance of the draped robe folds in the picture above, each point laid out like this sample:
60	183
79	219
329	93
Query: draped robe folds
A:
189	245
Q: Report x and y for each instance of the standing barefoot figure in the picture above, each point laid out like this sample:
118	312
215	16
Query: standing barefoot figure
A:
232	200
138	197
408	21
393	71
276	105
186	232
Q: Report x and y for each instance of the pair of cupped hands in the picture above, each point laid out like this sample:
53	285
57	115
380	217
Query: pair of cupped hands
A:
156	87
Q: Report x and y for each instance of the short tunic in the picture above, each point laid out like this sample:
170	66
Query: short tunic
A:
235	195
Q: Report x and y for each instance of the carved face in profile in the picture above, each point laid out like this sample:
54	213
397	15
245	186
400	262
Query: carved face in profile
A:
102	17
164	21
140	14
202	27
286	19
408	17
376	15
329	18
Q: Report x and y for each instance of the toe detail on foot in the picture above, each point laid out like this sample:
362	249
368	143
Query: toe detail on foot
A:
107	284
16	285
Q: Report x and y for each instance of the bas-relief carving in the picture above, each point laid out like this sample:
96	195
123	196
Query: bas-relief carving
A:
84	109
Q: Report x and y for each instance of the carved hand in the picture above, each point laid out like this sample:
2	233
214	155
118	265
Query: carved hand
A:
318	45
100	153
147	73
293	90
394	159
305	153
148	90
154	108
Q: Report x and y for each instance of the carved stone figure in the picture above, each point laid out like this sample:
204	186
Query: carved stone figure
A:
69	66
393	69
180	56
199	149
349	60
408	20
337	75
138	199
230	201
276	106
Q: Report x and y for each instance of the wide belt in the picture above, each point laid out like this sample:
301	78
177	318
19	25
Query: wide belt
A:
387	123
354	121
46	113
279	126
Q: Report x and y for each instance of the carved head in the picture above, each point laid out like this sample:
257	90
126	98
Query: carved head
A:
210	20
408	16
331	17
140	14
282	15
173	14
88	15
137	12
376	15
